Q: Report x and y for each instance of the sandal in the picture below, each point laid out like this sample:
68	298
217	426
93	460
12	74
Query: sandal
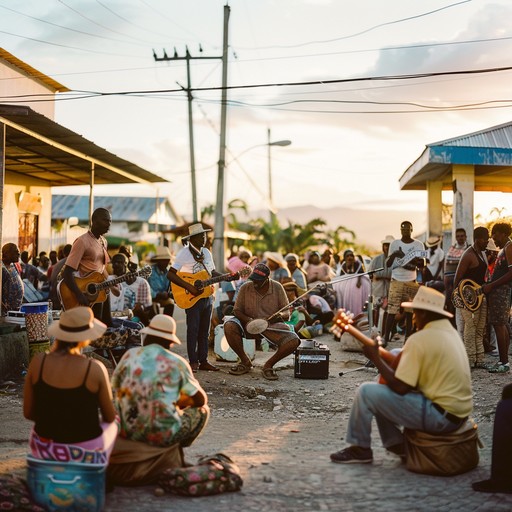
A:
240	369
269	373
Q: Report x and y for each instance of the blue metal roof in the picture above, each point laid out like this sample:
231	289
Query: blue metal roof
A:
489	151
123	209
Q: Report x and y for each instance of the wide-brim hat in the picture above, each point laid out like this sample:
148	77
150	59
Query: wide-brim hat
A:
162	326
276	257
491	246
428	299
432	241
77	324
162	253
388	239
195	229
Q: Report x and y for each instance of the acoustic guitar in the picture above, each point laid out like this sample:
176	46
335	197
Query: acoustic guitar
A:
343	321
94	287
202	281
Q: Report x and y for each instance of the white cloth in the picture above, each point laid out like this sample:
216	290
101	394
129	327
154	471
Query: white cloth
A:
401	273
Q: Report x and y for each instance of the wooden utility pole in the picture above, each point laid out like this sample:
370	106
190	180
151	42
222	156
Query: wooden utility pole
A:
219	240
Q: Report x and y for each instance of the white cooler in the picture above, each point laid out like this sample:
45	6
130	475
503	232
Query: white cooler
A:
224	352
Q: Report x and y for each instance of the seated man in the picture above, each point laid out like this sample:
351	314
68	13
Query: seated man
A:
158	399
430	390
135	294
12	284
260	298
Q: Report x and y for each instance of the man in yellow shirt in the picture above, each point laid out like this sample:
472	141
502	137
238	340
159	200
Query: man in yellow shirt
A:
430	390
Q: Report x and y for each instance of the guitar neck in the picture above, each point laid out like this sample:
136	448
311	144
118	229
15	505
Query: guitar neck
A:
216	279
117	280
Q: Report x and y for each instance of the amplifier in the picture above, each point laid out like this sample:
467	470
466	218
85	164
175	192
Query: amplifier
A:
312	363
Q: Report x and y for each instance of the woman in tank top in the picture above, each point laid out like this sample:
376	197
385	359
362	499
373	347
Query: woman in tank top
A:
65	391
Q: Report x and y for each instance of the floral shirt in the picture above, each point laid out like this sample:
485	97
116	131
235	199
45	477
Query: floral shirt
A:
147	383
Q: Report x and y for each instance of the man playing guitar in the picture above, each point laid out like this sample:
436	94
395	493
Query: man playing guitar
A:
430	390
194	258
89	254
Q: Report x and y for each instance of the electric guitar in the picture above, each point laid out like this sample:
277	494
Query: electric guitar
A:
94	287
343	321
202	281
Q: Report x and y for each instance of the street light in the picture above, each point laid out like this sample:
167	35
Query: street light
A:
281	143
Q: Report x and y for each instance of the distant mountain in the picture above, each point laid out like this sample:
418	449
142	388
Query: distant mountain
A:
369	225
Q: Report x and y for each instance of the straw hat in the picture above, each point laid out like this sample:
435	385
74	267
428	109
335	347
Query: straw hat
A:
428	299
162	253
276	257
432	241
162	326
388	239
491	246
195	229
77	324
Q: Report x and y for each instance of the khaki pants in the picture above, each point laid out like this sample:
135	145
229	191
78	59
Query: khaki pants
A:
474	327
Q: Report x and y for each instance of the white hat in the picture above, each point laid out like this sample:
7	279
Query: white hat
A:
388	239
428	299
162	326
162	253
276	257
491	246
432	241
77	324
195	229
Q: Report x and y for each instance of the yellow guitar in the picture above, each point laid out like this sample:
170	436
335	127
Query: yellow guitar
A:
94	287
201	280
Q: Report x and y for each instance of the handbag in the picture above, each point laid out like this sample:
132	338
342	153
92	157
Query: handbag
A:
442	454
213	474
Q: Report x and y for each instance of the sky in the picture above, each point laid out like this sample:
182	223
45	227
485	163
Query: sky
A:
336	78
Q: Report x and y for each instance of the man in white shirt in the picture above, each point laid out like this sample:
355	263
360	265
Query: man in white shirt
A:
405	254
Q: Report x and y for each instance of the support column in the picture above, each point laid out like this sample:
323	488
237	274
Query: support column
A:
463	205
435	208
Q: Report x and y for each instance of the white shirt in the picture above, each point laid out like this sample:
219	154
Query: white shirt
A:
185	261
400	273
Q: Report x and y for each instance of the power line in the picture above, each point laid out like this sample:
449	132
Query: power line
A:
341	38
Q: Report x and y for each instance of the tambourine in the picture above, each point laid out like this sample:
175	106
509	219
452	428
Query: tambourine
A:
468	295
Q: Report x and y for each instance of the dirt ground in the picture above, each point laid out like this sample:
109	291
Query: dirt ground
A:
281	433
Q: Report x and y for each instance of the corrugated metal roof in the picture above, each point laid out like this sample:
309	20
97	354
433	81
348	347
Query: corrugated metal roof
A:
38	147
31	72
488	151
123	209
495	137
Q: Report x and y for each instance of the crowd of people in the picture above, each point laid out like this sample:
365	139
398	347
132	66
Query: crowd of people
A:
154	403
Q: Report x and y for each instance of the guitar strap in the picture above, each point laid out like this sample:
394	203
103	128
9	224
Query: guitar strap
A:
198	256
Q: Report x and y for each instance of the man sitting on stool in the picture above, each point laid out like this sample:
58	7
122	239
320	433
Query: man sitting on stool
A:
430	390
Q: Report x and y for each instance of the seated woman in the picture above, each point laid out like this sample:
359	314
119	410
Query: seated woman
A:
64	391
352	294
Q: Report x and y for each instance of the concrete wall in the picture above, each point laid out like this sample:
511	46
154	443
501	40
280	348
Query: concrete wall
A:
14	83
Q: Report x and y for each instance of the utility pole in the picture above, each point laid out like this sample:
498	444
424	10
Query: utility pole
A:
188	90
219	239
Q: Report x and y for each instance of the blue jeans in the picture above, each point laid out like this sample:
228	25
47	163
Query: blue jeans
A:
391	410
198	328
